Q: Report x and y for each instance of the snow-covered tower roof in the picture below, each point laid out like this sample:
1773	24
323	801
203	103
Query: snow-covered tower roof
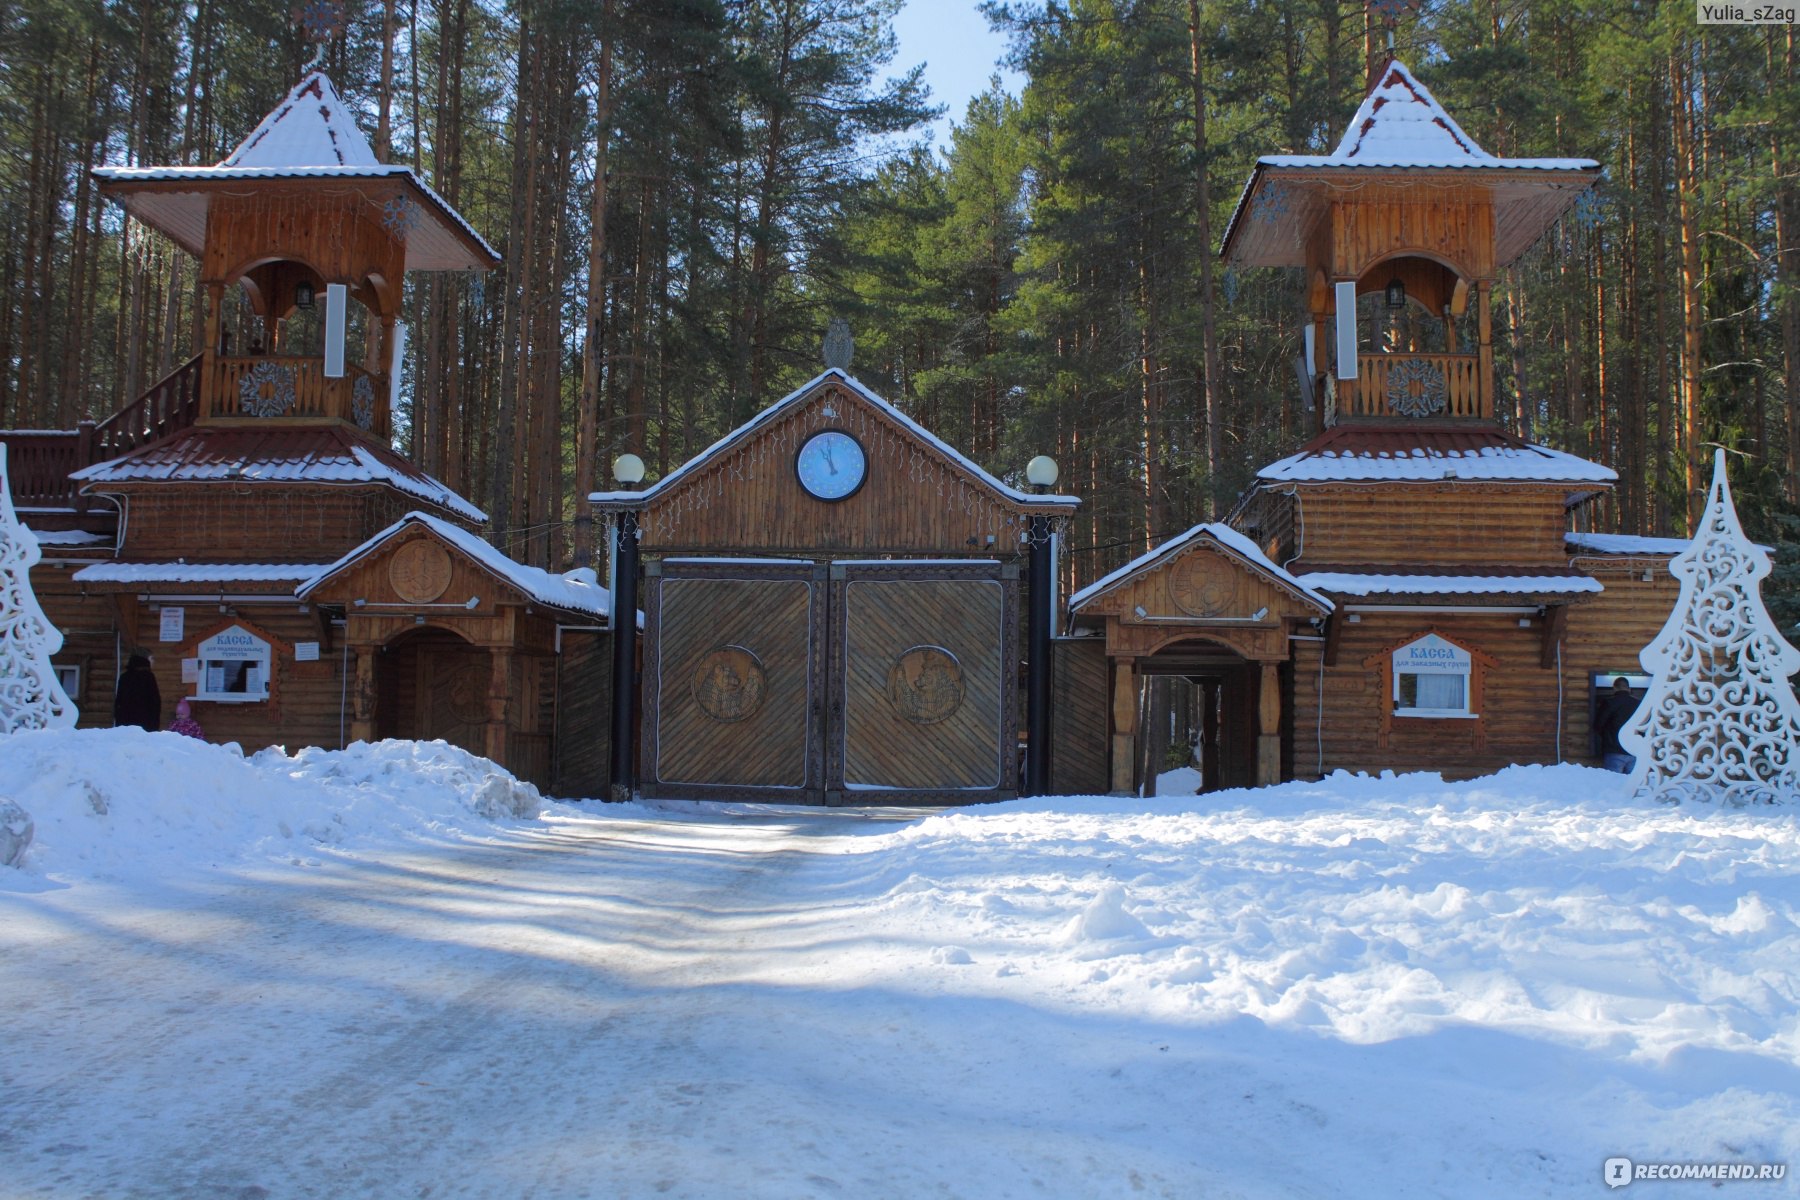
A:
1400	135
311	128
308	145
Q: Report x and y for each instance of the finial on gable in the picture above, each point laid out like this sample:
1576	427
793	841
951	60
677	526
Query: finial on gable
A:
839	346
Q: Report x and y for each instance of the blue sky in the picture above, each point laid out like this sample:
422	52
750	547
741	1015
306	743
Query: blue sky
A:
952	39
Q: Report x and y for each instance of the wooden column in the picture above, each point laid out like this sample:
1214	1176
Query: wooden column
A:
1124	721
209	349
362	695
1268	741
1485	332
1321	336
499	694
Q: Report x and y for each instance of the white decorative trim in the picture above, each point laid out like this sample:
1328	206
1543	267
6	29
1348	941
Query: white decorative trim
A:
31	697
1719	721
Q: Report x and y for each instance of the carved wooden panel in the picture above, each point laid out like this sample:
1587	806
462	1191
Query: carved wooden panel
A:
923	683
730	680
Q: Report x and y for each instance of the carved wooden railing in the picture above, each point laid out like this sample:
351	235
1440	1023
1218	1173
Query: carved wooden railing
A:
277	386
38	462
1418	385
172	403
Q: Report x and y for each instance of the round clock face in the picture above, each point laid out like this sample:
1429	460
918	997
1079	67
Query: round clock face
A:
831	465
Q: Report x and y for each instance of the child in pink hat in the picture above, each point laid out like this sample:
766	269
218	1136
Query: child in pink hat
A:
185	723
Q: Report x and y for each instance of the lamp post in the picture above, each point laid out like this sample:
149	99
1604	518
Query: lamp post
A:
1041	473
628	469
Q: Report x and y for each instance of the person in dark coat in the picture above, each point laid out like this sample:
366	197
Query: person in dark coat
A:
1614	712
138	700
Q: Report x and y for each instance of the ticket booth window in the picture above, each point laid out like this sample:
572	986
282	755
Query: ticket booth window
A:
1431	679
233	667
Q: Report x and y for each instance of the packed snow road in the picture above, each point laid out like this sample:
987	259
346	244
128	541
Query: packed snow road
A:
393	972
625	1008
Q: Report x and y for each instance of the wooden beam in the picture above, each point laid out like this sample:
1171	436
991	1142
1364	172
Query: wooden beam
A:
1334	635
1556	621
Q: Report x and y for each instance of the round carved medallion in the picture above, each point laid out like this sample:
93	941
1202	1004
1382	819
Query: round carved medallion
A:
1202	586
925	684
728	684
419	571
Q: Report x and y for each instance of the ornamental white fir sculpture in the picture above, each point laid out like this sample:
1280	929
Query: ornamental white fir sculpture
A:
30	696
1719	721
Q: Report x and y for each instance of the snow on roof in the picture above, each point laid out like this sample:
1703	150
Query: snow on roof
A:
1343	583
1624	543
1401	124
278	454
67	537
797	396
1628	544
310	128
571	592
1227	537
127	572
1524	462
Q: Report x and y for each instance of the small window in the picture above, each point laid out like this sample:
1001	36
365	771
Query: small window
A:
70	679
233	667
1431	679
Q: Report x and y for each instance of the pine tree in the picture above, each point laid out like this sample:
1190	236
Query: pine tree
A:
30	696
1720	721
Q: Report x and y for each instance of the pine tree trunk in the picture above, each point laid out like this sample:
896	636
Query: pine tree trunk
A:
587	410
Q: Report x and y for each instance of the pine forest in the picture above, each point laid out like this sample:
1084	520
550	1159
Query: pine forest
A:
685	192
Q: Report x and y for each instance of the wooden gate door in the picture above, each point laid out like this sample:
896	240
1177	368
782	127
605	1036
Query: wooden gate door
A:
734	681
923	693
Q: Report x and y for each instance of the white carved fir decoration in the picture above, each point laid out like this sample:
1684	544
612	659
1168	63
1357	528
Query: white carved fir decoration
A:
1719	721
30	696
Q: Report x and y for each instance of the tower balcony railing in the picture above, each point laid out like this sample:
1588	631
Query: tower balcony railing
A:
292	387
1419	386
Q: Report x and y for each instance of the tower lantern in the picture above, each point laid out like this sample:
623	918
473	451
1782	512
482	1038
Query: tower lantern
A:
1409	209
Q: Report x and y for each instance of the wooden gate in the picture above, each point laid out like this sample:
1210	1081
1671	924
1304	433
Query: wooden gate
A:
734	681
924	690
894	684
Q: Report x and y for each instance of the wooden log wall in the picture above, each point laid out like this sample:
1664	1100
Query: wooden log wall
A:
90	637
1444	524
1607	634
583	715
1518	704
305	696
1080	707
255	522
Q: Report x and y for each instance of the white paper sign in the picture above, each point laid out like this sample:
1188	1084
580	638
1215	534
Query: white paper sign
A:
190	670
253	680
1431	655
215	679
174	621
306	652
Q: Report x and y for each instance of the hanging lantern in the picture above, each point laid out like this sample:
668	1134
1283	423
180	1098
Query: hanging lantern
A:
303	295
1396	294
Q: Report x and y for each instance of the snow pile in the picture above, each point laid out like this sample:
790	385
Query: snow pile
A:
1545	902
111	803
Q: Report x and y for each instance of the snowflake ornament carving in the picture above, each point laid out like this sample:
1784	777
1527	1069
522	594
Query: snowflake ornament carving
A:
1719	721
30	696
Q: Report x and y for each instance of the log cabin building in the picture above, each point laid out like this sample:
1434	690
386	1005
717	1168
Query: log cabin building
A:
246	522
833	596
1404	590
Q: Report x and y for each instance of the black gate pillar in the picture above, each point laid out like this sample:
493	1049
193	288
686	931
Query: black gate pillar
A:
624	664
1038	667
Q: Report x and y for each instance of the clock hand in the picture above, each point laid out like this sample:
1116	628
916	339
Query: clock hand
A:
829	460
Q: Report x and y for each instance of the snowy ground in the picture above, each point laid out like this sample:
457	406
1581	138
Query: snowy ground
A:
353	974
